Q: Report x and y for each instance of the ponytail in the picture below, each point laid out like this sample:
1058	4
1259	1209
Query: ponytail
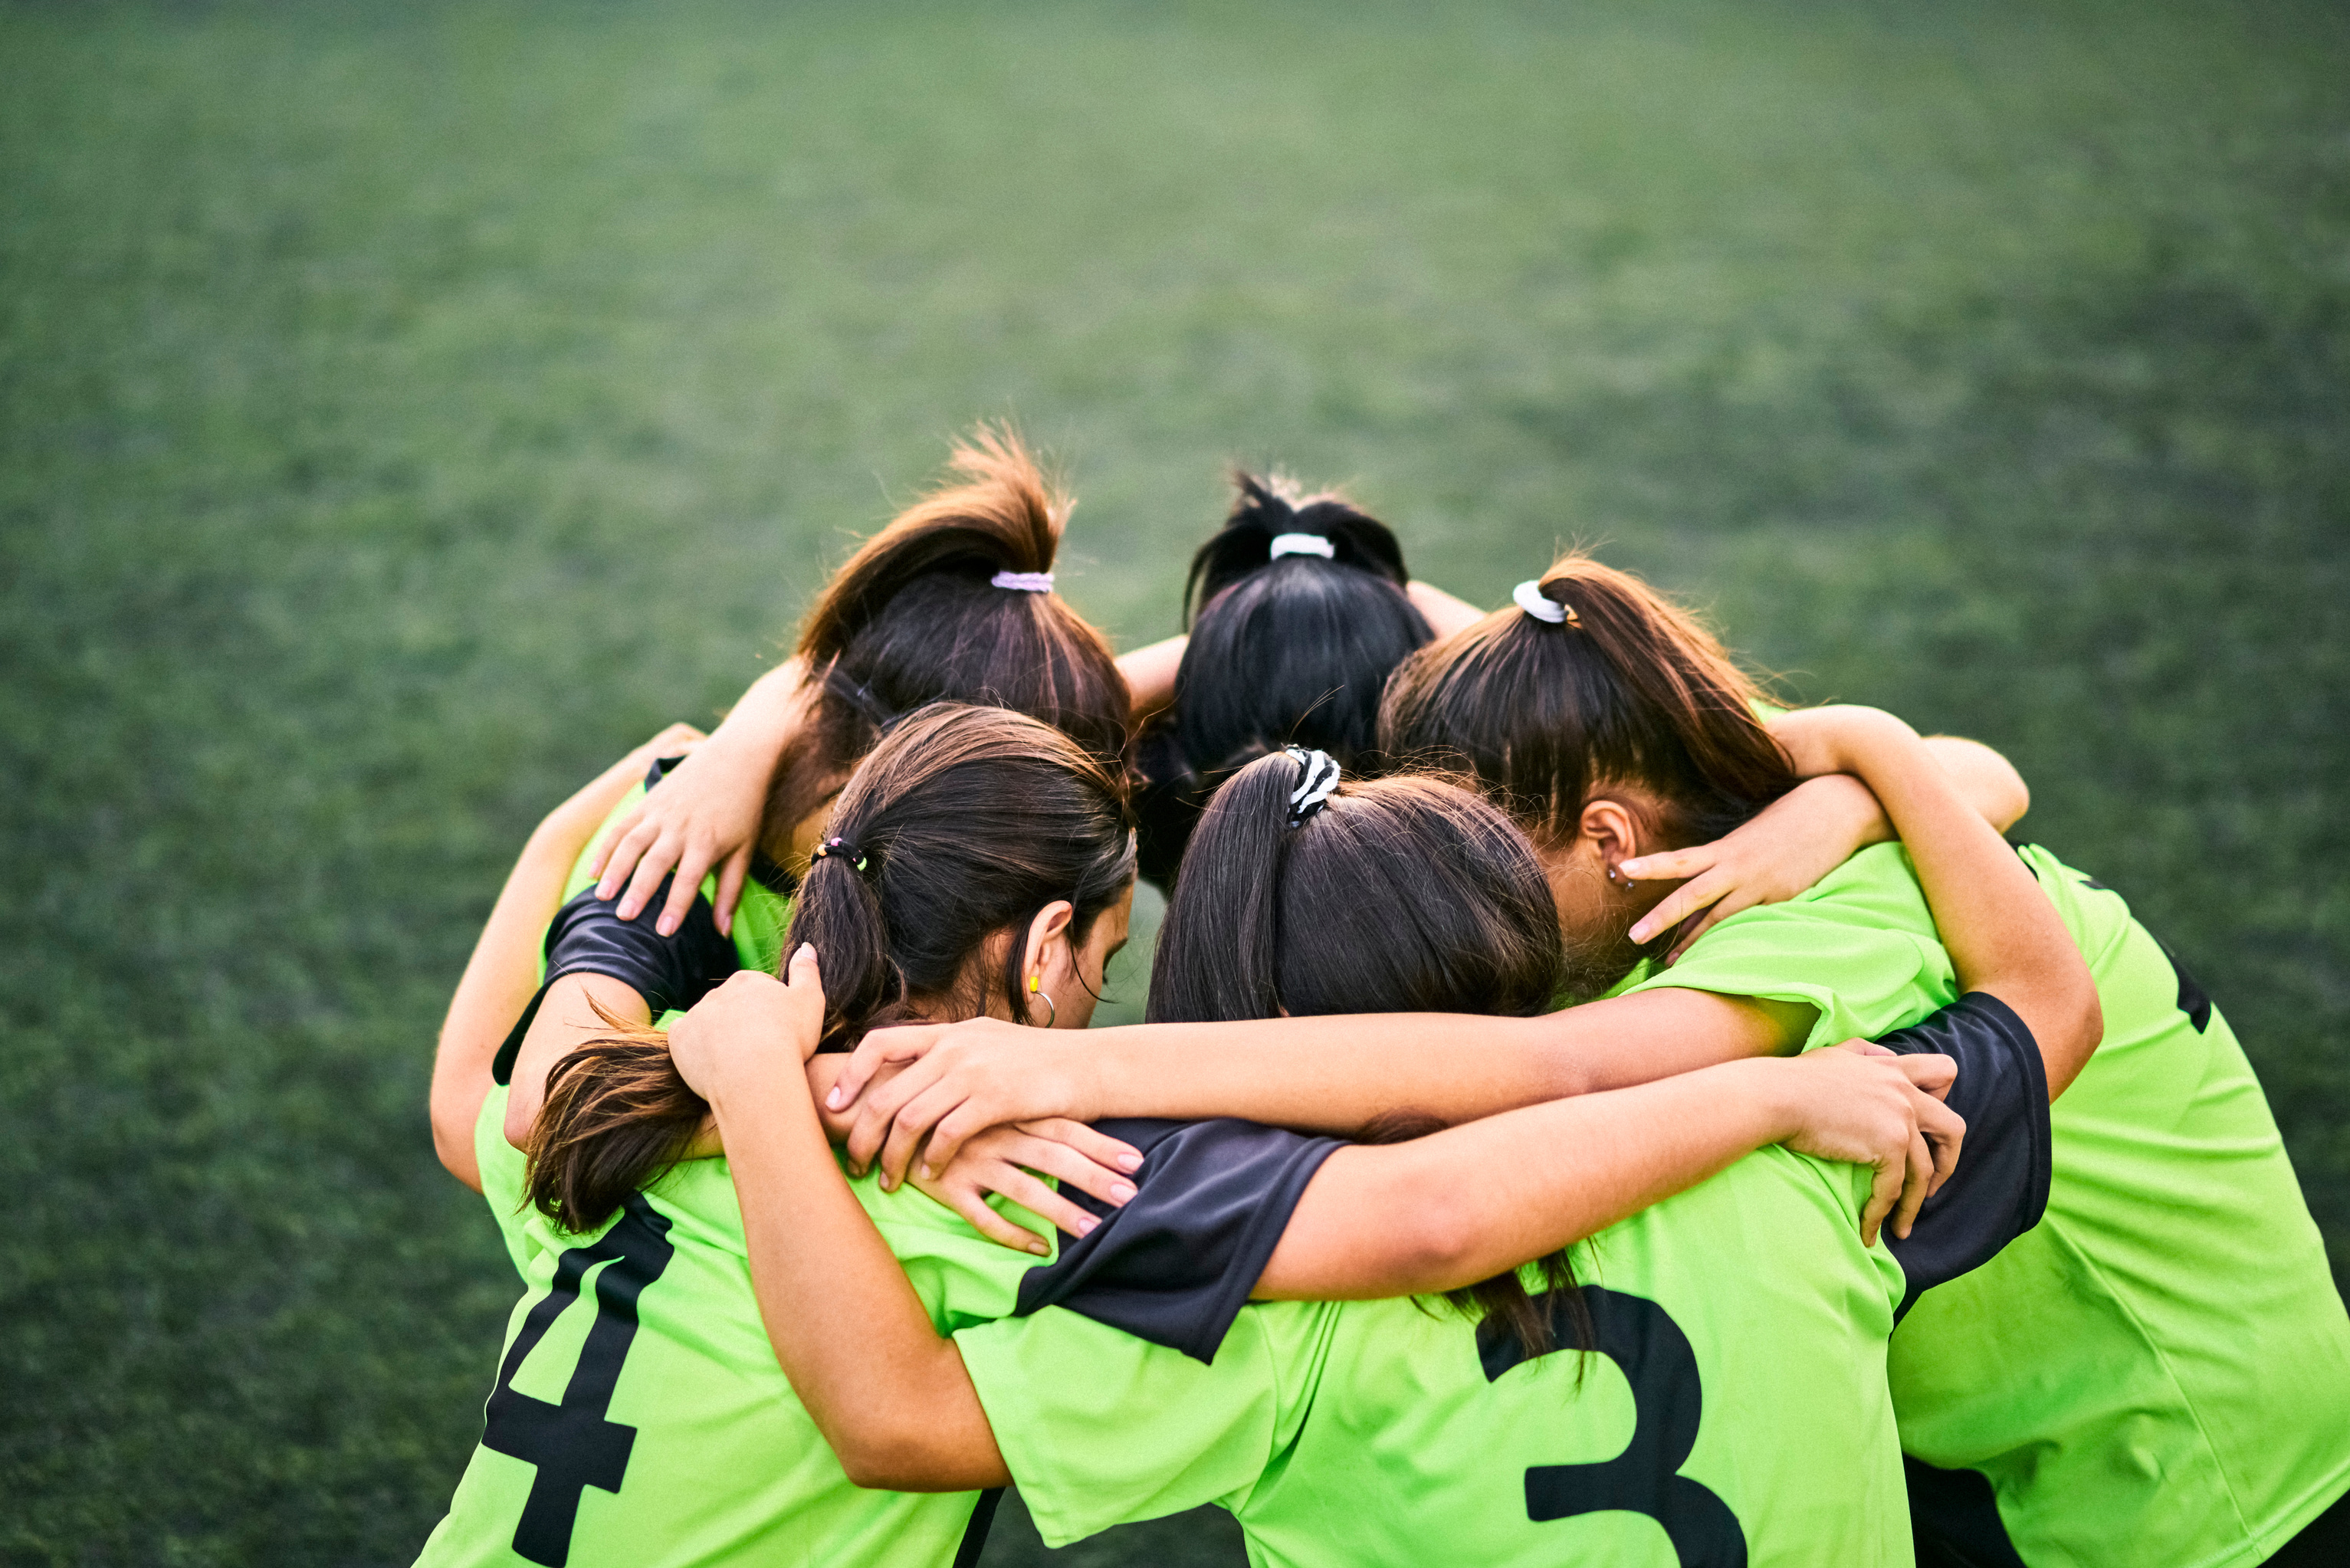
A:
1402	895
1593	680
1285	649
961	825
952	601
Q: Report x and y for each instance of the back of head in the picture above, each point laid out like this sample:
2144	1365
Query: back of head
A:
1605	684
962	824
922	613
1403	895
1286	647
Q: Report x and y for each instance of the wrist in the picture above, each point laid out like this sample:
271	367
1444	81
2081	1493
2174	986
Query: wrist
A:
1770	1084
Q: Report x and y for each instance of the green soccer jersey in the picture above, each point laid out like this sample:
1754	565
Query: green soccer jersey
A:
1737	1410
639	1417
2159	1372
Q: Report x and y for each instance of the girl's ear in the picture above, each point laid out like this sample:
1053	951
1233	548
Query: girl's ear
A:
1614	832
1047	932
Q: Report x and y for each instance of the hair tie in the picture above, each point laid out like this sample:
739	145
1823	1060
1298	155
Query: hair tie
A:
1542	607
841	848
1023	582
1300	544
1315	784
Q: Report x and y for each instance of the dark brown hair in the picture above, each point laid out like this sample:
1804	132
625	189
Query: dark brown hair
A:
1629	691
1405	895
913	618
964	822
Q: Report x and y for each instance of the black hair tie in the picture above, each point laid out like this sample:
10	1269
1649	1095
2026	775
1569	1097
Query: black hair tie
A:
843	849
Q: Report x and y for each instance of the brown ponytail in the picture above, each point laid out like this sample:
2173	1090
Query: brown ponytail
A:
961	826
1627	690
913	618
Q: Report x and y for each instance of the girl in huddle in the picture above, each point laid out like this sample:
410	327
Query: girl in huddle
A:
981	864
951	600
1746	1418
1299	609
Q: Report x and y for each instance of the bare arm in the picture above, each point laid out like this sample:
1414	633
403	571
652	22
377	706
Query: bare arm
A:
1443	613
888	1392
1149	672
501	975
708	812
895	1400
2001	933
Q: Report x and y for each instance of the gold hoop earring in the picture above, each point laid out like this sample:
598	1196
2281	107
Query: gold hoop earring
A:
1051	1013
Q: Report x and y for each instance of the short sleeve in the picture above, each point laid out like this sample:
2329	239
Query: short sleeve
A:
1176	1265
1099	1428
1859	949
2000	1188
671	973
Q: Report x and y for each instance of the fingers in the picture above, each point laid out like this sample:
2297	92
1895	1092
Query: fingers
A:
1884	1191
731	877
1670	864
1917	1184
1048	1158
1097	1146
914	1121
693	866
1680	904
877	1112
894	1046
1731	904
1946	1130
1863	1048
630	837
1932	1073
970	1202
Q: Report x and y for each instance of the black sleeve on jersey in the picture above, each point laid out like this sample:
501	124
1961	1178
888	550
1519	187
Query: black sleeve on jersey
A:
2000	1188
1176	1265
587	936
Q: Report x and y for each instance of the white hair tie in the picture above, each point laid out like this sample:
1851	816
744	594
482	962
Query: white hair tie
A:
1023	582
1541	606
1314	785
1300	544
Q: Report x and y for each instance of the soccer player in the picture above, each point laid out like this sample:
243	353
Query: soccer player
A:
952	600
1746	1418
978	860
2160	1372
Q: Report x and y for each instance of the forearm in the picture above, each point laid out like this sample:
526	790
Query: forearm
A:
1985	780
2002	934
1444	613
889	1395
1339	1074
1465	1204
1149	672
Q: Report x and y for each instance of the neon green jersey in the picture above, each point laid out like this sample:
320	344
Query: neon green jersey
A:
639	1417
2160	1372
1739	1411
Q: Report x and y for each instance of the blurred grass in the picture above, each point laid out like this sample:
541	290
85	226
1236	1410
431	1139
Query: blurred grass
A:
402	410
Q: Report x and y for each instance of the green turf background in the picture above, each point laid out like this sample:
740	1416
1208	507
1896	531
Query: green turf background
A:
405	408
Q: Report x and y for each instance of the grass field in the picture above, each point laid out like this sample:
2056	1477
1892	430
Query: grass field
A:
405	408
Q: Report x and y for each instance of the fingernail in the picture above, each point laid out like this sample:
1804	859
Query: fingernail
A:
888	1185
1088	1225
1121	1193
929	1175
1640	933
833	1100
1129	1162
1631	867
1039	1247
666	926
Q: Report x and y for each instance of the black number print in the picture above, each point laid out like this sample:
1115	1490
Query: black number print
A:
1668	1402
572	1444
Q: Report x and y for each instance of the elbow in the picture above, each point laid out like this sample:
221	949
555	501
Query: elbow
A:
891	1457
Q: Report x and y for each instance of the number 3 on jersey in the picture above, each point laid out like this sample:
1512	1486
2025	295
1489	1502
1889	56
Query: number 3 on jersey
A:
1668	1402
572	1444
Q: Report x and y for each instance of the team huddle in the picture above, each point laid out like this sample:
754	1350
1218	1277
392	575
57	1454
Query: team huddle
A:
1587	1113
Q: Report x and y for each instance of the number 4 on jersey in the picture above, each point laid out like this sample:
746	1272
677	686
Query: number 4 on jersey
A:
1668	1402
572	1444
